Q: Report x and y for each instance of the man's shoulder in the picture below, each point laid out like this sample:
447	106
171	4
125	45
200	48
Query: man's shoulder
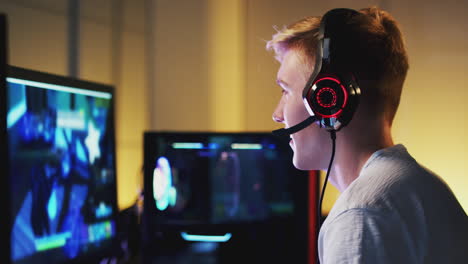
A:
398	206
393	184
390	179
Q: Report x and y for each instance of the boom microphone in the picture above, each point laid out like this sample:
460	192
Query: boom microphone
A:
288	131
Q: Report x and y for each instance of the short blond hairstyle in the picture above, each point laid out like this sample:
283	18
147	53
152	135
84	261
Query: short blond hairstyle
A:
376	54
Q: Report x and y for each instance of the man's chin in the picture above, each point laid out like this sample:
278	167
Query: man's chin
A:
299	164
303	164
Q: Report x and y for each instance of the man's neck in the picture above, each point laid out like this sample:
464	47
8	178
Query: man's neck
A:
352	152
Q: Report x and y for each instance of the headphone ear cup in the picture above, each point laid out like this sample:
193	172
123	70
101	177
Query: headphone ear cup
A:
332	101
354	93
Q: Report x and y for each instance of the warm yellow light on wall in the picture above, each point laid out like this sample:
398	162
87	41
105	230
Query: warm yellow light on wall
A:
432	123
227	64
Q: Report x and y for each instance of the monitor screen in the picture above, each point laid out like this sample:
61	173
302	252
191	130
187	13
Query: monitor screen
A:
200	179
62	176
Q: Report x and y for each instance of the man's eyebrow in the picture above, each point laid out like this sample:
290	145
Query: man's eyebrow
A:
281	83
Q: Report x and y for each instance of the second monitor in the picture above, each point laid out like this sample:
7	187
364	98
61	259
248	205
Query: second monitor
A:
214	182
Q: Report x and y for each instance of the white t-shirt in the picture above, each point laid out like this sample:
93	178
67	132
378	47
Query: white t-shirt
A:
396	211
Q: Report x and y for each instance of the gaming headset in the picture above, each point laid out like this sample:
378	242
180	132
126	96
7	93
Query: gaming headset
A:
331	95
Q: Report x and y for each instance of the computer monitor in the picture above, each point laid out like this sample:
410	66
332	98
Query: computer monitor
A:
239	190
206	182
62	168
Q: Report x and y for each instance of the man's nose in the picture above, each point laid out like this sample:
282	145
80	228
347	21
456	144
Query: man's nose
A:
278	115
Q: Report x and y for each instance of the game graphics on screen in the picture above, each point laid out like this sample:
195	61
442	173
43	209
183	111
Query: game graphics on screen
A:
62	170
225	180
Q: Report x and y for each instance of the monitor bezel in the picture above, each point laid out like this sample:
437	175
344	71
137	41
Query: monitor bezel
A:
5	193
113	249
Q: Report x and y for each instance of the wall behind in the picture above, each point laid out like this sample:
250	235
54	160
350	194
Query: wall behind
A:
432	119
199	57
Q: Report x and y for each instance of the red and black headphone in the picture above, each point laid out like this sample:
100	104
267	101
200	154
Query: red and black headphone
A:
332	92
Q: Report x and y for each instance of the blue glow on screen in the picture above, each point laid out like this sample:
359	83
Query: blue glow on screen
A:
103	210
51	242
62	172
246	146
187	145
52	206
101	231
60	88
203	238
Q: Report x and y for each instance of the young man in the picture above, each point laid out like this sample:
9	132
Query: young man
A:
391	209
